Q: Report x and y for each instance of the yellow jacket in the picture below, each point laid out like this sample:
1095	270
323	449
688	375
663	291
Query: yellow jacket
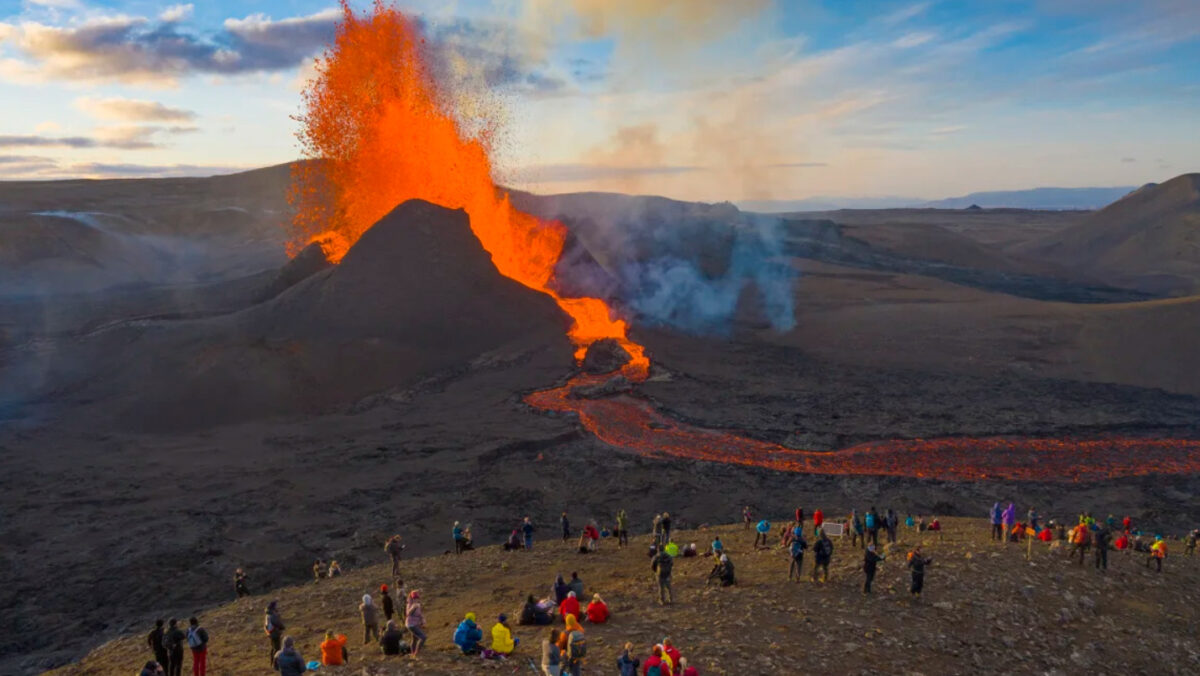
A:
502	639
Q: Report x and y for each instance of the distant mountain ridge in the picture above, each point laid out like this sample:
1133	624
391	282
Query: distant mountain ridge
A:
1050	199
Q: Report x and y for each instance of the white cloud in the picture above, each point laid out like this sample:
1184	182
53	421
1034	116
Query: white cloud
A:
176	13
912	40
132	110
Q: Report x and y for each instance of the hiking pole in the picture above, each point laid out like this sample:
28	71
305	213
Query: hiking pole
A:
533	667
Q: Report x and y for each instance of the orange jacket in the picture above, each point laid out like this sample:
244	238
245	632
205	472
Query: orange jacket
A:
331	651
1159	549
1079	535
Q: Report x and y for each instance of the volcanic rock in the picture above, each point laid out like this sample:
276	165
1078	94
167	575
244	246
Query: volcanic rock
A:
605	356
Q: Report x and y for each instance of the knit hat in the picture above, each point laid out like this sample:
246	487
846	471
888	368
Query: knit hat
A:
471	616
502	618
383	588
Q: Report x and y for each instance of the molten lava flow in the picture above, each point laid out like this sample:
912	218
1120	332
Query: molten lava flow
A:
382	131
634	424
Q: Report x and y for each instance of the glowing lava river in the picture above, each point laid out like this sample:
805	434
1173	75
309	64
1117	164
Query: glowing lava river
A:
634	424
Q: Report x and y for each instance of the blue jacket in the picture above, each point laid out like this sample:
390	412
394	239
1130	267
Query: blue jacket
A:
458	533
628	665
288	662
467	636
870	520
763	526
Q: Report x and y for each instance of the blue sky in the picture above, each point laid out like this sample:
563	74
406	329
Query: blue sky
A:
698	99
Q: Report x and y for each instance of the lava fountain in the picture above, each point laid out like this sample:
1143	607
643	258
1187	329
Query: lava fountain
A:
382	130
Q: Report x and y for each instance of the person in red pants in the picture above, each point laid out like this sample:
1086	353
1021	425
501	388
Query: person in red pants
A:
197	638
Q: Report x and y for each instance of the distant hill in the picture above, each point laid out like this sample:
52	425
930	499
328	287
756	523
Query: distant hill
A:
1036	198
1149	240
826	203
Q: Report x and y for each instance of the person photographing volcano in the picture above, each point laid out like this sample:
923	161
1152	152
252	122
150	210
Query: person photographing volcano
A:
870	565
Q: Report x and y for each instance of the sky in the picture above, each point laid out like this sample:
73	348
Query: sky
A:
696	99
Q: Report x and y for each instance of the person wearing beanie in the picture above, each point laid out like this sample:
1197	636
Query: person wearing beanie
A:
503	642
414	620
468	635
389	606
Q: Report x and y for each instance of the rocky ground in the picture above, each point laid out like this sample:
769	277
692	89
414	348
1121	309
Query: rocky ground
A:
986	610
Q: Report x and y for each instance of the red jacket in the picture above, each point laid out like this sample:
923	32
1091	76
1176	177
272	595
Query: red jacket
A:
1045	535
1127	522
570	606
652	661
591	532
818	517
691	671
597	613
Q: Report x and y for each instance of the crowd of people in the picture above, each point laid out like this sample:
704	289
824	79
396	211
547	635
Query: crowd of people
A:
563	648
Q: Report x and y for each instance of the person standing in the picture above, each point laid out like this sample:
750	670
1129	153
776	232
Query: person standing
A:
389	606
916	563
1158	552
414	619
527	531
572	659
1009	520
892	521
155	640
1102	539
818	519
997	516
746	518
273	625
370	619
566	527
858	535
627	664
622	529
870	565
460	538
800	516
872	521
239	583
551	655
822	555
1080	541
798	546
197	640
662	564
394	549
173	640
1033	519
666	527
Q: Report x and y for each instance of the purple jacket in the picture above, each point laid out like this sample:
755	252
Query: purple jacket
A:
1010	515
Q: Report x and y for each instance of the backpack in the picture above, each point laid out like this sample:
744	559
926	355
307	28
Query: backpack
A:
870	520
655	670
194	639
577	646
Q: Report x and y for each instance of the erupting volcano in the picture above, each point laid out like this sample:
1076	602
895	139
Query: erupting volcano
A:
383	131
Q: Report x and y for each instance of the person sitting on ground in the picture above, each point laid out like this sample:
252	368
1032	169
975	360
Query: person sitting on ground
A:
559	590
686	669
597	610
909	522
1045	535
333	650
722	572
392	640
468	635
576	585
551	654
534	612
152	668
514	542
584	542
288	661
690	551
627	664
503	642
935	526
569	606
335	569
1122	542
318	570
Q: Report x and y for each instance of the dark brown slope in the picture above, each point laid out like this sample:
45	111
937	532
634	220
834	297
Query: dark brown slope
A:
416	297
1149	240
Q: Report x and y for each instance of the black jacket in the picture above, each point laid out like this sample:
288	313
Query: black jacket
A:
155	641
662	565
871	562
174	639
